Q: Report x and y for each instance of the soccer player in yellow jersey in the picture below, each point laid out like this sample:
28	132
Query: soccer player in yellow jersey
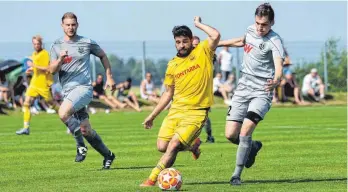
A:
189	82
40	82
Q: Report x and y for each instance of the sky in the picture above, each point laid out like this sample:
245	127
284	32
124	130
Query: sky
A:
139	20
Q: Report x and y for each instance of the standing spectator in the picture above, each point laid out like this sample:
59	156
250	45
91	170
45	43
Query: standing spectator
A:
313	86
225	61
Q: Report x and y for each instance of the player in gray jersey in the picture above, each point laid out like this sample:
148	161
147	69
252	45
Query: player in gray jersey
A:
70	59
260	73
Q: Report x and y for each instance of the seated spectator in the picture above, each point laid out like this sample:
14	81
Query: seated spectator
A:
4	90
99	93
19	89
147	89
219	89
230	85
313	86
124	95
289	86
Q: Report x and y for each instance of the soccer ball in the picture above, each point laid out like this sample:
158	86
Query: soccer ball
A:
169	179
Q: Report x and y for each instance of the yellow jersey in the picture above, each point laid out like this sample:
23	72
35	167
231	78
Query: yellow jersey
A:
192	77
41	79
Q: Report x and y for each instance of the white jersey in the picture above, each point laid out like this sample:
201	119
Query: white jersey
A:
216	83
310	82
226	60
149	89
259	53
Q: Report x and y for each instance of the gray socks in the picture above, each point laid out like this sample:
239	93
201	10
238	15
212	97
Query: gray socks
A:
242	154
95	141
74	126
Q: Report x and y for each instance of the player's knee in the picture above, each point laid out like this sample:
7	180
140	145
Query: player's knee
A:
233	138
174	144
63	115
161	148
254	117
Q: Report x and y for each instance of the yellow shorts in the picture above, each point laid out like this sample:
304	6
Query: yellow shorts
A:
35	92
187	124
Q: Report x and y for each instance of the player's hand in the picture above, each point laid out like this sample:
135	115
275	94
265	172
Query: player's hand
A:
110	84
271	84
63	54
197	20
148	122
29	70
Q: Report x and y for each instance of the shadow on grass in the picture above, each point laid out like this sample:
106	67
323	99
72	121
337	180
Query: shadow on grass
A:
270	181
131	168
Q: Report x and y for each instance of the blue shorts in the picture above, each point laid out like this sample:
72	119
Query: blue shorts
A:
79	96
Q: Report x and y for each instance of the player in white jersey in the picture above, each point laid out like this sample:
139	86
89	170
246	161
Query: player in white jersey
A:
260	73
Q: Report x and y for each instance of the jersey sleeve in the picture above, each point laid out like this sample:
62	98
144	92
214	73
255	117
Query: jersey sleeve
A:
95	48
207	49
277	48
169	76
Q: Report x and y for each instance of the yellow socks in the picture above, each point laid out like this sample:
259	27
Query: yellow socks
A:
156	171
26	116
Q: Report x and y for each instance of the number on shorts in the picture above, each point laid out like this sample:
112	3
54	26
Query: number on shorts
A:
229	110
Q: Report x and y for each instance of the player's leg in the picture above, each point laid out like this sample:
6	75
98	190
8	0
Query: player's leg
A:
154	99
26	115
165	135
94	139
248	149
208	130
65	113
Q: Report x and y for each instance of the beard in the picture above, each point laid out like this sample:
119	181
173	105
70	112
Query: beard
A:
186	53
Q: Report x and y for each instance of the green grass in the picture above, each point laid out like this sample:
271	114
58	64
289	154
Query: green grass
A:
305	149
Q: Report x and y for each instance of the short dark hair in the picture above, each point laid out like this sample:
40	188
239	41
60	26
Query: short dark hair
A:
264	10
69	15
196	37
129	80
182	30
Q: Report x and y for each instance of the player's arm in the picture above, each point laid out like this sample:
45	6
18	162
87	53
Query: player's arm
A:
97	51
213	34
278	66
278	60
164	101
55	65
235	42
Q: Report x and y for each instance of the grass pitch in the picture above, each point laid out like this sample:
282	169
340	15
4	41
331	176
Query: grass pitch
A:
305	149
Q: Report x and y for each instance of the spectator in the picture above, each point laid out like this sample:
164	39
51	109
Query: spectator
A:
4	90
230	85
19	89
195	41
99	93
225	61
313	86
124	95
220	89
147	89
289	86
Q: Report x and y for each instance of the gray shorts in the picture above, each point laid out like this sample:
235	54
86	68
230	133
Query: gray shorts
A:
249	96
79	96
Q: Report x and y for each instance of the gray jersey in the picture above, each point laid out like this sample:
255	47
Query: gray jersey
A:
75	69
259	53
